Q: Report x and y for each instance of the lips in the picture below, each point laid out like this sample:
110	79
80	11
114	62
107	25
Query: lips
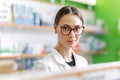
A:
71	41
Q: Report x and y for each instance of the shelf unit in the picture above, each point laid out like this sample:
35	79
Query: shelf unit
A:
20	27
40	28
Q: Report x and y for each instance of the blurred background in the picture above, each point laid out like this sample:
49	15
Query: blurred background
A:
26	31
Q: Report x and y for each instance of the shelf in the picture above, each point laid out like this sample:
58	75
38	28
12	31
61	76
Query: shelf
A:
26	26
91	52
108	71
22	26
44	54
22	56
95	32
95	52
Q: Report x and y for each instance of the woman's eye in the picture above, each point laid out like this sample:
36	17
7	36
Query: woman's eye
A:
66	28
77	29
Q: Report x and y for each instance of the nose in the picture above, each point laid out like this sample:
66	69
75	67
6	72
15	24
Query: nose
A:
72	34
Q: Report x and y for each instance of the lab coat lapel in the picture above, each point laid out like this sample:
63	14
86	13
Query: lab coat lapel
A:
76	60
59	59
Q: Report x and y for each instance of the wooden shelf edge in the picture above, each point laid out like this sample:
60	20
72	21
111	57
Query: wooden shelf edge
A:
47	28
23	56
95	32
91	52
26	26
44	54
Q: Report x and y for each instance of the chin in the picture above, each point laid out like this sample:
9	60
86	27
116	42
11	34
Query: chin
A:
71	46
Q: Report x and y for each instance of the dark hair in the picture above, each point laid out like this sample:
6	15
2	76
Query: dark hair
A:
67	10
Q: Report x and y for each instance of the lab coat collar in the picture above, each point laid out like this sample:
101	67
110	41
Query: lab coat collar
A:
60	59
57	56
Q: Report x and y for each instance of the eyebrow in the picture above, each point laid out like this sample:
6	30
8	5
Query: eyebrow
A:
70	26
66	25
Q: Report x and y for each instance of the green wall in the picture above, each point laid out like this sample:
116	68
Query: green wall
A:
109	11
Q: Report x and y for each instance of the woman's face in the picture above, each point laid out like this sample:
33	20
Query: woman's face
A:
68	22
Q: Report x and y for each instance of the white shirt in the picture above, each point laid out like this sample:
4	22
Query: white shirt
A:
55	62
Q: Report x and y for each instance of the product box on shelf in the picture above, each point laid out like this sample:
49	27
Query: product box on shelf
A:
5	13
23	15
7	66
91	43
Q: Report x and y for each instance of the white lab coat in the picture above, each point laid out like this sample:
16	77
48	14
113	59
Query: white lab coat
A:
55	62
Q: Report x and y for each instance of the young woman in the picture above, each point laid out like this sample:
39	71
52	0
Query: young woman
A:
68	26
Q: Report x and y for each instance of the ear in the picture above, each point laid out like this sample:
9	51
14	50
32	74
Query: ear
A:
55	28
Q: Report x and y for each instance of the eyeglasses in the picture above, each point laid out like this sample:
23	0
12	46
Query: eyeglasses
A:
66	29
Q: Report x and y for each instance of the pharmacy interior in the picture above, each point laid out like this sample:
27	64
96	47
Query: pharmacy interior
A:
27	35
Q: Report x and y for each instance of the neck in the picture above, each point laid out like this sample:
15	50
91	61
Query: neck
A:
65	52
